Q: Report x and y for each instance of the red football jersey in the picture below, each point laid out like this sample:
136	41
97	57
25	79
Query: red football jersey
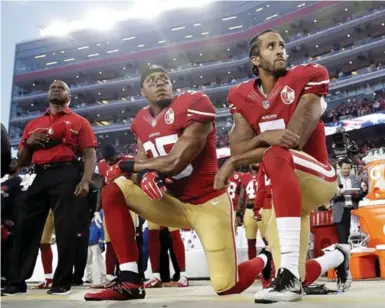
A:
234	187
159	134
275	111
112	172
250	183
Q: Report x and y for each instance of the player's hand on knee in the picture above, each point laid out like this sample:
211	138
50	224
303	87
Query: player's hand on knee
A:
152	184
282	137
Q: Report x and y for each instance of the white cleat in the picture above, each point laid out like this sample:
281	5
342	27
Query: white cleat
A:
344	277
285	288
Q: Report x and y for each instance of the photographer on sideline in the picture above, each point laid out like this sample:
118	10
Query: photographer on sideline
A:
346	199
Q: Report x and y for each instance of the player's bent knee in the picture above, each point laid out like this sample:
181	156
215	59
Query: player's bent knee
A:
221	284
275	158
111	195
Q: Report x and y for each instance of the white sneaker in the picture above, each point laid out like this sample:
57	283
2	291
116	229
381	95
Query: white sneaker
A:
285	288
153	283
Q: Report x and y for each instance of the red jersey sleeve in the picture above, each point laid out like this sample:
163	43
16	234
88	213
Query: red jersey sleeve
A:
87	138
199	109
317	80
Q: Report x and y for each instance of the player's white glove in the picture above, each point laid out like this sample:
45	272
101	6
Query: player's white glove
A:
97	219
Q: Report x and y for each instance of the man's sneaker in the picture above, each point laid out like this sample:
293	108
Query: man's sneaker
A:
153	283
59	291
13	289
44	285
268	272
285	288
130	288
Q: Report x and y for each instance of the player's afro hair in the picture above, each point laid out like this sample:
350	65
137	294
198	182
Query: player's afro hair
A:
254	47
109	151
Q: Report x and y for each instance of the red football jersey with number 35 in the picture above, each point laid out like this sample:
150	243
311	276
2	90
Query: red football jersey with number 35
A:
160	133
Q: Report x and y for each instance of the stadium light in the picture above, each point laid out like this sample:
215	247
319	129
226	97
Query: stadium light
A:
102	20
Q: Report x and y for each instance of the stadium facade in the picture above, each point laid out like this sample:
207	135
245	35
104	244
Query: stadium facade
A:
205	49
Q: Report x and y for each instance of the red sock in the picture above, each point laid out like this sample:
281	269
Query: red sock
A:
46	258
252	248
119	224
247	272
154	250
178	249
286	190
111	260
313	271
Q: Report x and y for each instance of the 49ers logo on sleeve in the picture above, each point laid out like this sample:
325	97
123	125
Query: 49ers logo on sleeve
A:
288	95
169	116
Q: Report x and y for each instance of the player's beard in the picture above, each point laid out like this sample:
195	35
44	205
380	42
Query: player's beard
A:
270	67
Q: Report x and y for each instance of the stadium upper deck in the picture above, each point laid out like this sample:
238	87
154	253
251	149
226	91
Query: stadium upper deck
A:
102	69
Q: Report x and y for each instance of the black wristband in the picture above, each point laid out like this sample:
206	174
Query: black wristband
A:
238	214
127	165
141	174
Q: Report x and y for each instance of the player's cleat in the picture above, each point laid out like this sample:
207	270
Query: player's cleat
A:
44	285
105	284
268	271
129	286
285	288
344	277
181	283
153	283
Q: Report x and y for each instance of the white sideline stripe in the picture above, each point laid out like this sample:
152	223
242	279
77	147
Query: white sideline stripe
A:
308	164
317	83
201	113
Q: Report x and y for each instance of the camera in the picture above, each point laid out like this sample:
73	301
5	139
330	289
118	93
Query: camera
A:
343	145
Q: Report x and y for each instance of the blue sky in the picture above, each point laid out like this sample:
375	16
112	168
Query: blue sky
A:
21	20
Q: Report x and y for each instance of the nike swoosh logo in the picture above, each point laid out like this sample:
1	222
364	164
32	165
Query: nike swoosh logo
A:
216	202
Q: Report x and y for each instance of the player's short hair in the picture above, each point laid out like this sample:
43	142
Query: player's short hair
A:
109	151
150	70
254	47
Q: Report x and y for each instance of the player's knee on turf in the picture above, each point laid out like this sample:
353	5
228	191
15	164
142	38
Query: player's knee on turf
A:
221	284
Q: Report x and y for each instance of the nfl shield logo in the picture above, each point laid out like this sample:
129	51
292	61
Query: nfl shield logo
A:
169	116
288	95
266	104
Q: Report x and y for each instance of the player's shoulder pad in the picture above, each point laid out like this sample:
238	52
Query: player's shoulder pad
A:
310	69
195	101
240	88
